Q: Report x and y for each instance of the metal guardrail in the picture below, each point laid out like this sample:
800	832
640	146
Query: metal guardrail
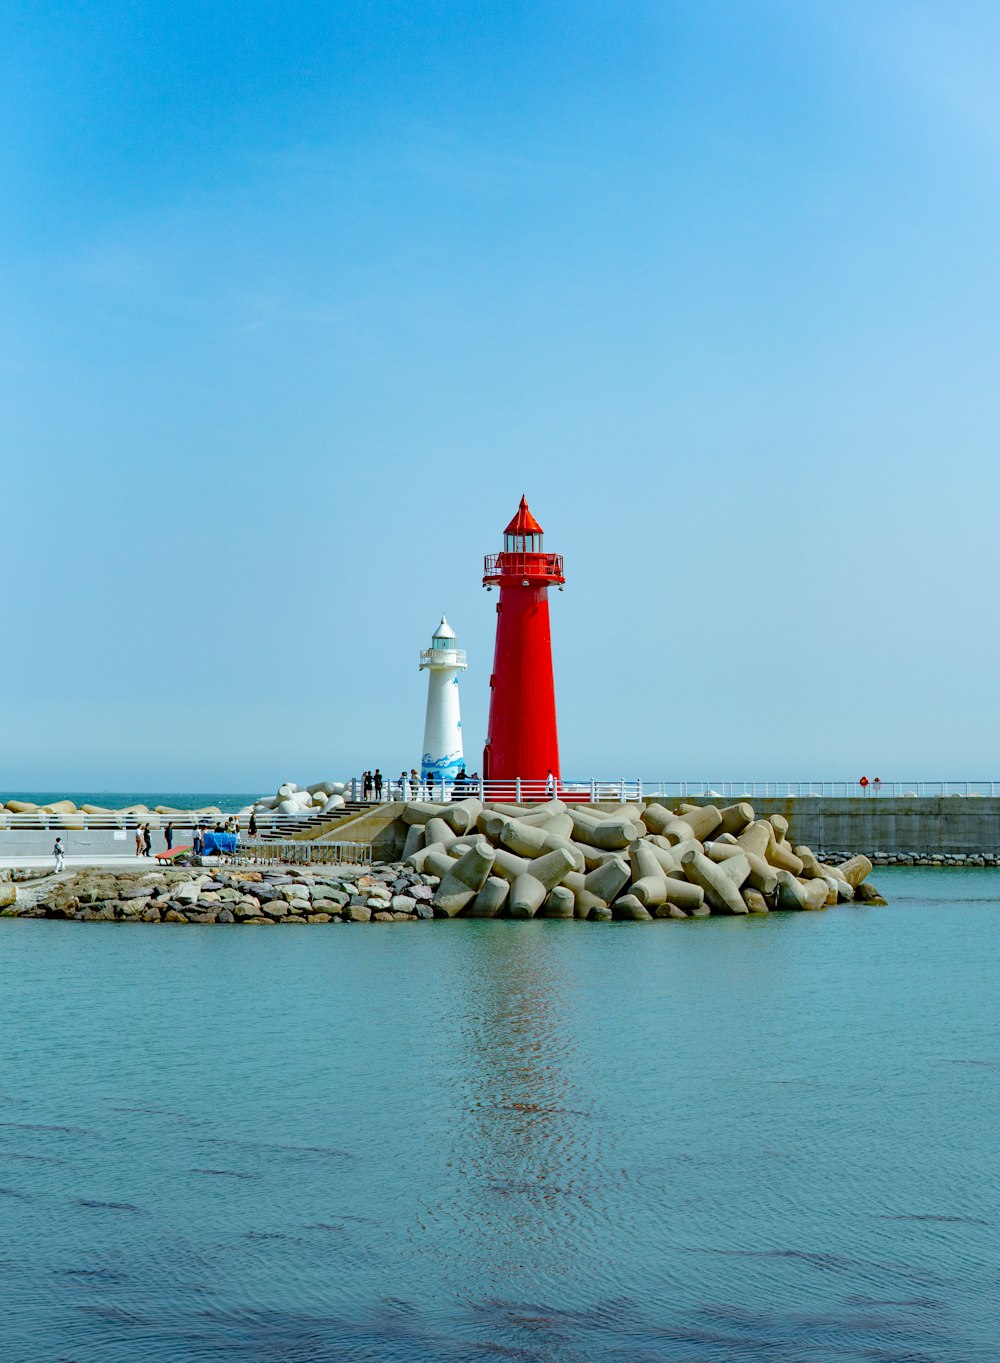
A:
157	822
310	853
518	790
443	657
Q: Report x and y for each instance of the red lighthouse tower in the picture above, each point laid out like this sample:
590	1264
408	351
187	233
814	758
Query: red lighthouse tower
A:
522	738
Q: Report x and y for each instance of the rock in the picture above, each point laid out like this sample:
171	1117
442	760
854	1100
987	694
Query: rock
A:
559	903
294	891
8	894
225	916
754	900
867	894
357	913
319	918
721	891
275	908
856	869
488	902
174	916
628	907
403	903
670	911
382	917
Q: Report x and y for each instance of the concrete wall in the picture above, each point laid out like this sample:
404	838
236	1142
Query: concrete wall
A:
895	824
98	842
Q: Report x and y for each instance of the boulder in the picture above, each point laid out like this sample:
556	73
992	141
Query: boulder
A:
629	907
559	903
855	870
721	892
490	900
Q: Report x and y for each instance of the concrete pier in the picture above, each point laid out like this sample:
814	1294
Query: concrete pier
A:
898	825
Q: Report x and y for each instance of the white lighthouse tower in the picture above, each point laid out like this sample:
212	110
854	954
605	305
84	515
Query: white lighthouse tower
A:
442	756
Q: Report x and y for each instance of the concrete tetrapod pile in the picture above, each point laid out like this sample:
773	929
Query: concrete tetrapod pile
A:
563	861
323	797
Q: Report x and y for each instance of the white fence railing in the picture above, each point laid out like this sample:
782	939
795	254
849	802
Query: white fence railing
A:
518	790
515	791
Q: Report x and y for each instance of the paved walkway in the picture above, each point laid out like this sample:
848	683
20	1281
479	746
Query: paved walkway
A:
75	863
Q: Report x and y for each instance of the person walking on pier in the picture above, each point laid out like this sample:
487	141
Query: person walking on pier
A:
138	840
60	855
168	836
377	783
147	841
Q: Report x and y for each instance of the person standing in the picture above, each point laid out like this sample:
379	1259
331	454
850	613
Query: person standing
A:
252	825
377	783
196	842
147	841
59	853
138	840
550	784
404	785
366	785
168	836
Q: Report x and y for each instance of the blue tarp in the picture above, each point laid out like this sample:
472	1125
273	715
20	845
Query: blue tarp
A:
216	843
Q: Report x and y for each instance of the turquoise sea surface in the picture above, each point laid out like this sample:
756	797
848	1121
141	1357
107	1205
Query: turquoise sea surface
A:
229	803
762	1140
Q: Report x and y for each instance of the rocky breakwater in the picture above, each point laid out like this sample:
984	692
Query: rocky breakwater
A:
348	894
632	862
467	860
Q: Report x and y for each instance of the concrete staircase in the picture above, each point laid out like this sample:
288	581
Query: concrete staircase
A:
312	825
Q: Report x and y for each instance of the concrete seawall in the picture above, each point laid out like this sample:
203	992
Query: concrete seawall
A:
897	825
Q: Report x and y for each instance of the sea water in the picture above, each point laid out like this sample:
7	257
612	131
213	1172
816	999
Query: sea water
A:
228	802
721	1141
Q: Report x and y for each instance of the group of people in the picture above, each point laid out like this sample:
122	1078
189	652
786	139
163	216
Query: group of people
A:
144	838
412	786
231	825
144	841
464	783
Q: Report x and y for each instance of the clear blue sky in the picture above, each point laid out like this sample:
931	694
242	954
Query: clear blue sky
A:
296	300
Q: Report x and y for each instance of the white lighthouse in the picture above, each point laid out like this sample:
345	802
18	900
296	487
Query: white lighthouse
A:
442	755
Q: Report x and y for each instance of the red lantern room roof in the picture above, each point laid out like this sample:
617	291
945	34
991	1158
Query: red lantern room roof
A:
524	522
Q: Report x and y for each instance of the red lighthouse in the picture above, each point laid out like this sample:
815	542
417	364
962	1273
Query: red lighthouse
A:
522	738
